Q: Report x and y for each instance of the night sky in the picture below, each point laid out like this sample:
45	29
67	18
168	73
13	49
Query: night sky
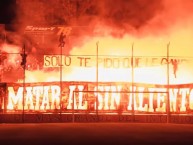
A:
7	11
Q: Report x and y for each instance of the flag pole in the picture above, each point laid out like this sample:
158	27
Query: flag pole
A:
168	85
24	67
97	77
132	82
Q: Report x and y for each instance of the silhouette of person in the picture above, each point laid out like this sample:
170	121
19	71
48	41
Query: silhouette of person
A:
61	40
175	67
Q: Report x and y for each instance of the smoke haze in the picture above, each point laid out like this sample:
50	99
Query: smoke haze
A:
149	24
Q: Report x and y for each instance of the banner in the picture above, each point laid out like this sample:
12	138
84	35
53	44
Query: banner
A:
104	97
109	61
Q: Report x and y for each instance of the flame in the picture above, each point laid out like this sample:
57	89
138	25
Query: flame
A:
118	47
113	47
149	38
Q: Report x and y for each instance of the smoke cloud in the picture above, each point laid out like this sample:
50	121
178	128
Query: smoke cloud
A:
123	16
99	18
139	21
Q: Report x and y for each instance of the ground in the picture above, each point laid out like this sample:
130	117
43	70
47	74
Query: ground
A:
96	134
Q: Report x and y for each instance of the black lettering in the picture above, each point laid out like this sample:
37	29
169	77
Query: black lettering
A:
67	61
77	117
151	118
126	63
46	118
188	119
55	117
174	119
108	63
54	61
92	118
137	62
47	61
116	63
163	118
86	62
153	63
39	117
164	61
81	58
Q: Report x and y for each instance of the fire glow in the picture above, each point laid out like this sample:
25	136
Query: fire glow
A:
110	97
147	36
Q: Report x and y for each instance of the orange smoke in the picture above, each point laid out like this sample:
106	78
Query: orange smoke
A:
147	25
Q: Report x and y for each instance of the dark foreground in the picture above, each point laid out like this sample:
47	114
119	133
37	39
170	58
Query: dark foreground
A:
96	134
